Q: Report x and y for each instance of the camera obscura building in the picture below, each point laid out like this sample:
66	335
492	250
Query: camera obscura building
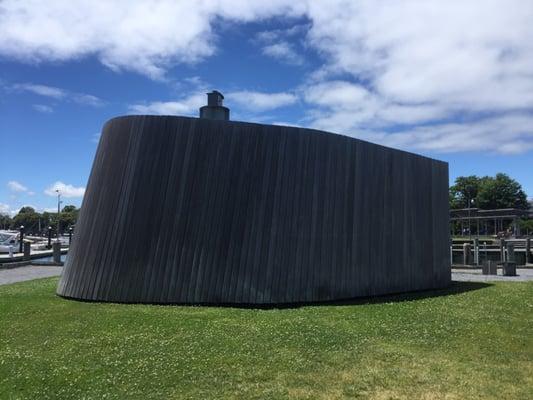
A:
212	211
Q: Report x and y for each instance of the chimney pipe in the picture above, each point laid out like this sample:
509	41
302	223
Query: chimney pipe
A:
214	108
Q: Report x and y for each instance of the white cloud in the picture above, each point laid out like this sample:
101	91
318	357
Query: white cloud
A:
457	53
56	94
412	67
87	99
507	133
185	106
409	67
41	90
259	101
5	209
65	190
15	186
285	123
43	108
142	36
96	137
277	44
342	106
283	51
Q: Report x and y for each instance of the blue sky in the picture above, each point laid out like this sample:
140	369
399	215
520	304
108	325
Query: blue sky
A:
446	79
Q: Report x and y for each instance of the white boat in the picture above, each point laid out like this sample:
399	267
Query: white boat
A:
12	238
9	239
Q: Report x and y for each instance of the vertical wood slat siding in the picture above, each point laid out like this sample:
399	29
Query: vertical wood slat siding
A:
187	210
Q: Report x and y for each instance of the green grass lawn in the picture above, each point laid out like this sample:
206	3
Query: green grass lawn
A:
473	341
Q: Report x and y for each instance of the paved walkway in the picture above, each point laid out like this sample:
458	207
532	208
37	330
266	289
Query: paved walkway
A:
466	275
27	273
35	272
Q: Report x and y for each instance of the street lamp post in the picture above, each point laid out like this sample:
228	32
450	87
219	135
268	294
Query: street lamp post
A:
49	237
58	210
21	244
470	202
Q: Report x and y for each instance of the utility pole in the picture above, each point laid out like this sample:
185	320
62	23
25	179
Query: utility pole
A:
470	202
469	235
58	210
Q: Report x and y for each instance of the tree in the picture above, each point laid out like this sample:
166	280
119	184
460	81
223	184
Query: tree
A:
68	217
69	208
526	226
47	219
501	192
487	192
464	190
5	221
27	217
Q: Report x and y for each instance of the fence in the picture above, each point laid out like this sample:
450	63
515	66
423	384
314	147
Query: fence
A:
477	251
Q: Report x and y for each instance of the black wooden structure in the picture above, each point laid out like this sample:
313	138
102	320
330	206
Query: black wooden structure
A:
201	211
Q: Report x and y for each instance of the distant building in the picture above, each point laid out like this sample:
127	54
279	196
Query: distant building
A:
470	221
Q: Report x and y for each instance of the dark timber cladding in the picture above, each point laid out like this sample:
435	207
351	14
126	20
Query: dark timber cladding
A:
187	210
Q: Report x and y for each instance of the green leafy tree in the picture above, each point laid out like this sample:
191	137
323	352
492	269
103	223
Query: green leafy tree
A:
465	190
68	217
501	192
5	221
28	217
69	208
487	192
526	226
47	219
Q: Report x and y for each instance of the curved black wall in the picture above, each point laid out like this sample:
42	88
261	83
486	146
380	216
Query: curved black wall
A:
187	210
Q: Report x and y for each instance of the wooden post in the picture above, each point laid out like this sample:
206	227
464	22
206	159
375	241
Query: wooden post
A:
56	250
466	253
510	252
489	268
476	251
27	251
528	250
451	251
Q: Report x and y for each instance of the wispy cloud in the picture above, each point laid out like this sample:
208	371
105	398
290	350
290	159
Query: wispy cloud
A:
261	101
58	94
43	108
41	90
87	99
185	106
283	51
15	186
280	44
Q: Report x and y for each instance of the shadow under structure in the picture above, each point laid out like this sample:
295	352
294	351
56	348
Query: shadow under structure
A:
211	211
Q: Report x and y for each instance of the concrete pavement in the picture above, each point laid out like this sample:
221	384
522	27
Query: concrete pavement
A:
28	273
